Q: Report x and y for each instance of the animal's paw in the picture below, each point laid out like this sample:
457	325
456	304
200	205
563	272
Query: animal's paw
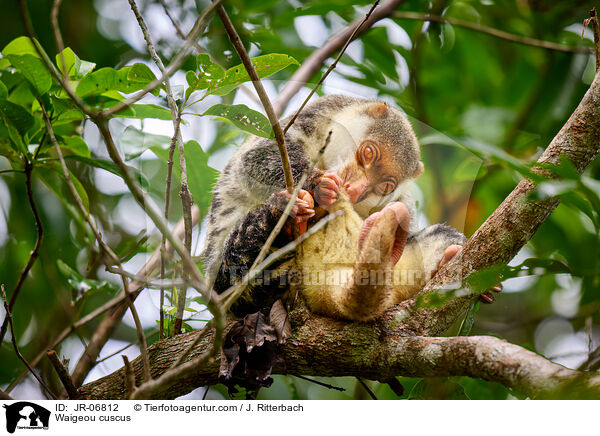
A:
302	211
376	231
327	189
485	297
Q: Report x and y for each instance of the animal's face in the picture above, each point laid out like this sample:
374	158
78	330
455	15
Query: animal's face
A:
374	173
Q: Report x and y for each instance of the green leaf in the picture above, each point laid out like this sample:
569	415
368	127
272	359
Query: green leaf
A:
201	177
127	79
469	320
210	75
51	174
76	145
20	46
208	70
265	66
134	142
34	70
244	118
143	111
16	115
3	91
75	67
82	287
109	166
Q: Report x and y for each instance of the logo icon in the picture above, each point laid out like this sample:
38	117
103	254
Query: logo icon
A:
26	415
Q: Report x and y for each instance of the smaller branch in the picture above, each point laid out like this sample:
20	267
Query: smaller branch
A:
103	245
173	66
163	246
313	63
177	26
493	32
146	282
262	94
317	382
197	46
63	375
331	67
34	254
117	301
596	29
60	45
185	194
16	347
119	351
129	377
5	396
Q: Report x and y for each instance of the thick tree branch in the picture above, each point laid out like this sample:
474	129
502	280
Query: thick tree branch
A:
324	347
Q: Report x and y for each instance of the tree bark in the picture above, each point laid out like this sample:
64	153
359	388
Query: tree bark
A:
325	347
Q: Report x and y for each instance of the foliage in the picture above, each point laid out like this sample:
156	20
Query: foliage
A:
483	108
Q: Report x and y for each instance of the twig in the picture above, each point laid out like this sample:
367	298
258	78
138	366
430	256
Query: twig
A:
493	32
148	283
110	321
16	347
129	377
317	382
262	94
331	67
185	194
114	258
63	375
177	26
175	63
5	396
117	301
197	46
367	388
313	63
34	254
166	213
105	114
60	45
596	29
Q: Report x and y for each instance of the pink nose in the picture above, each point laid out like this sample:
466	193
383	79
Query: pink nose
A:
356	191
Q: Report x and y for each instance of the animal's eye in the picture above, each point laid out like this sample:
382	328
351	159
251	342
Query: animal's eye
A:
369	153
384	188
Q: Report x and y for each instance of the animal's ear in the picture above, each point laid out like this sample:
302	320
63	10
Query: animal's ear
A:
377	110
419	170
